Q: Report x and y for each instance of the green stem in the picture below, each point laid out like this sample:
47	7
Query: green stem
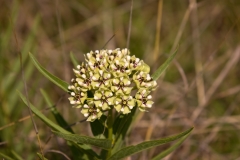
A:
89	98
110	129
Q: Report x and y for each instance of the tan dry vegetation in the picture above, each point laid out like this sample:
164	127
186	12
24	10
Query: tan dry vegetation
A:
201	87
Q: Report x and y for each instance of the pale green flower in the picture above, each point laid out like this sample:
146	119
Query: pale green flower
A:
121	85
112	54
125	52
91	111
144	67
120	67
77	96
105	82
124	104
97	60
103	99
144	80
84	77
143	98
134	63
101	79
81	69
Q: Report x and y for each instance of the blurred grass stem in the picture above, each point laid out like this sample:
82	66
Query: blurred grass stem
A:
197	53
158	31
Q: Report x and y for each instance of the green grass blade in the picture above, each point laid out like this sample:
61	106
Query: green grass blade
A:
5	157
27	46
98	128
102	143
73	59
43	117
170	149
121	127
85	149
127	151
61	121
17	156
60	83
58	117
41	157
164	66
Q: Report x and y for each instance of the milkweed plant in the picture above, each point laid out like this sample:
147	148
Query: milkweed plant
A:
109	89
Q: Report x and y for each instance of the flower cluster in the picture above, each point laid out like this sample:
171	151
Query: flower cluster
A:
107	80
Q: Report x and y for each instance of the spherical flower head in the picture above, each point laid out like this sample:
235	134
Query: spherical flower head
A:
108	80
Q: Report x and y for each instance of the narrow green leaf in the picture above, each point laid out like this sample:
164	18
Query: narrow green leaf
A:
98	128
127	151
5	156
60	83
85	149
25	48
170	149
73	59
61	121
164	66
121	127
43	117
17	156
58	117
102	143
41	156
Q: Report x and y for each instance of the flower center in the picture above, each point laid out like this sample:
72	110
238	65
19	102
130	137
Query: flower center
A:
87	81
78	96
91	110
124	102
144	100
104	98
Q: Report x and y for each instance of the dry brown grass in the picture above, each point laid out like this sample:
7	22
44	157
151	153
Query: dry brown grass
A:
200	89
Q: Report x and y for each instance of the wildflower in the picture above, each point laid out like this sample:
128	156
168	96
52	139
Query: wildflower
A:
121	85
106	80
143	99
135	63
103	99
124	104
144	80
91	111
120	67
101	79
77	96
112	54
96	60
84	77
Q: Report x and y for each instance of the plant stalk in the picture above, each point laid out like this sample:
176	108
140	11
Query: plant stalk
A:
110	129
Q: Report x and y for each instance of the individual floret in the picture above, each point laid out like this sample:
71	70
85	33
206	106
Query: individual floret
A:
143	98
103	99
91	111
124	104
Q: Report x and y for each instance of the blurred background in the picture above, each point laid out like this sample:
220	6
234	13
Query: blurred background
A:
201	88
